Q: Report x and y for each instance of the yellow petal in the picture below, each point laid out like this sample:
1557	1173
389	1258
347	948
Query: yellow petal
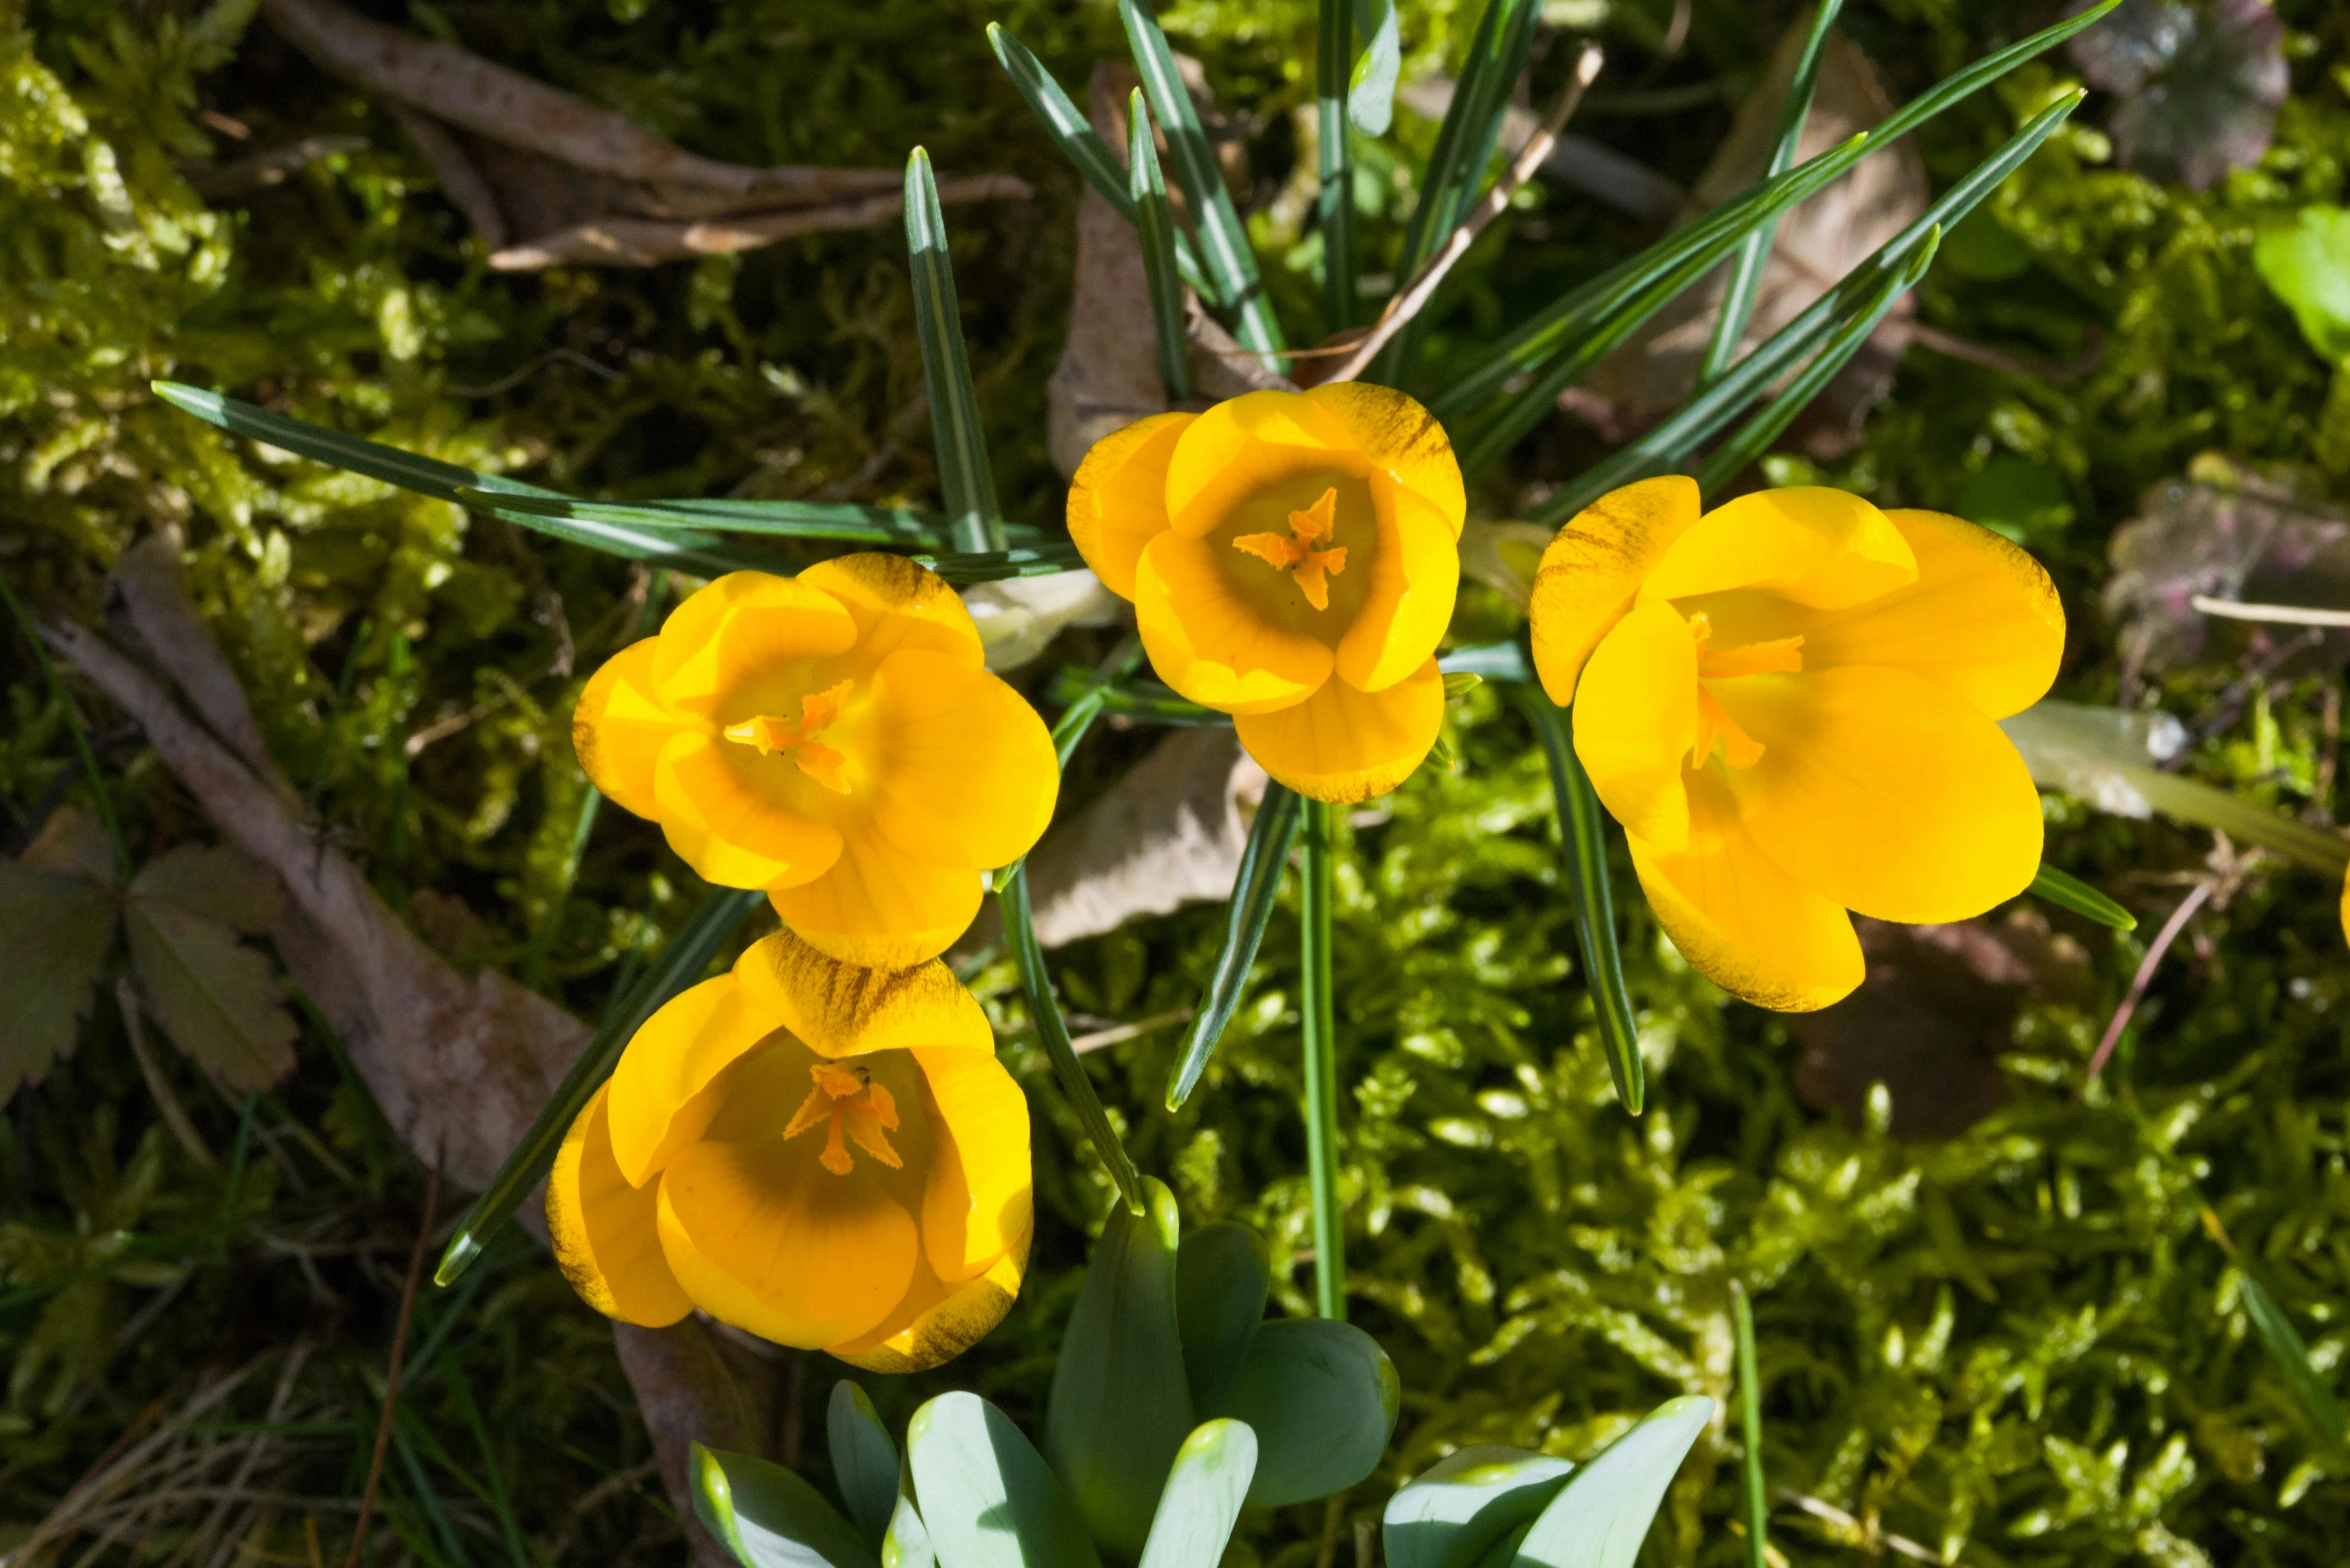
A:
728	813
1595	566
898	604
839	1009
1212	645
1401	438
1824	548
1884	792
879	906
763	1237
938	1322
619	728
739	631
977	1200
1346	745
1118	499
672	1078
1982	618
1413	577
1636	718
604	1229
965	771
1243	444
1742	922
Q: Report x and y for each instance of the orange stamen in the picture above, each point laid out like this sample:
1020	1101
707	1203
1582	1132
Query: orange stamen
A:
1779	656
847	1098
1309	568
819	711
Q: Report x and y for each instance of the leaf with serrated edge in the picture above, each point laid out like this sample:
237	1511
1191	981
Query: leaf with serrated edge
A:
215	882
219	1000
56	931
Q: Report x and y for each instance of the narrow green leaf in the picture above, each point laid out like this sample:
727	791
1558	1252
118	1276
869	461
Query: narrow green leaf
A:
1221	1286
1053	1029
1754	437
908	1543
1582	827
1454	1513
1081	144
1746	267
1253	890
770	1518
963	472
1202	1501
1709	411
962	567
1750	1466
92	774
1603	1514
2066	891
1494	661
1370	101
988	1499
864	1460
1154	224
1319	1032
1459	683
1321	1396
1334	90
679	964
781	519
1120	1408
1223	240
2283	1343
1143	700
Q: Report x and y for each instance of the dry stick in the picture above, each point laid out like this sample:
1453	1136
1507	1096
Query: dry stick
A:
1413	296
383	1428
2283	614
2138	982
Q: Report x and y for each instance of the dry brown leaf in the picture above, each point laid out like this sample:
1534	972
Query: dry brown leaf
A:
56	928
548	178
693	1388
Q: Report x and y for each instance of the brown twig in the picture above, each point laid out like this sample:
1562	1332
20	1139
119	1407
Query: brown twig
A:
1414	296
383	1427
2195	899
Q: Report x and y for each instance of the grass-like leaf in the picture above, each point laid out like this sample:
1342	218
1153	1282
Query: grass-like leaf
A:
2066	891
1253	890
994	566
1750	1467
963	471
1333	89
818	520
2282	1341
1145	700
1154	224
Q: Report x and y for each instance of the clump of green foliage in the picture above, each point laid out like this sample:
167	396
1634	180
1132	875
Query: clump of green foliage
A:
2038	1341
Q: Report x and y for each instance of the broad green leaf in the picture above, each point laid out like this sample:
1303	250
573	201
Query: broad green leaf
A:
2282	1341
1451	1516
1603	1514
56	930
1321	1396
679	964
1120	1407
1370	99
2066	891
1220	1289
907	1545
220	1001
1221	237
1203	1497
1583	832
769	1517
963	471
2308	267
988	1499
864	1460
1154	224
1253	889
782	519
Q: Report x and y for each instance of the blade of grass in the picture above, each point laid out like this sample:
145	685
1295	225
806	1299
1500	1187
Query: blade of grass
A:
1081	144
989	566
1053	1030
1319	1020
785	520
1757	1500
73	723
1333	81
1253	890
1154	224
1746	267
427	1496
680	964
1583	829
2284	1345
1146	701
2069	892
491	1469
963	473
1222	239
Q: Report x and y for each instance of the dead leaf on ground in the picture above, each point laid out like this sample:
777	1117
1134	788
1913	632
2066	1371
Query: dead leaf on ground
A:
548	179
57	920
2200	85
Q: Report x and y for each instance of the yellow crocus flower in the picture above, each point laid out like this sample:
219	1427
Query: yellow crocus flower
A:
825	1156
1292	558
1789	704
833	738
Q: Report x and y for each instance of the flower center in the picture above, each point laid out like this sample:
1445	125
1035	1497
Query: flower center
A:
847	1100
819	711
1779	656
1310	568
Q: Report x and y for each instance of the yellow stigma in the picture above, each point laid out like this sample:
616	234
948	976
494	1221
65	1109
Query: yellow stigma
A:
1779	656
846	1099
1310	568
818	712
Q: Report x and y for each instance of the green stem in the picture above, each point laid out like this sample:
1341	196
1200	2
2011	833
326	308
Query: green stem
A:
1332	72
1321	1067
81	739
1758	1512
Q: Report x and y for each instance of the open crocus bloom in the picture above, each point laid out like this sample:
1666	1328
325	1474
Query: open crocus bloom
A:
1789	704
1292	559
834	739
825	1156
